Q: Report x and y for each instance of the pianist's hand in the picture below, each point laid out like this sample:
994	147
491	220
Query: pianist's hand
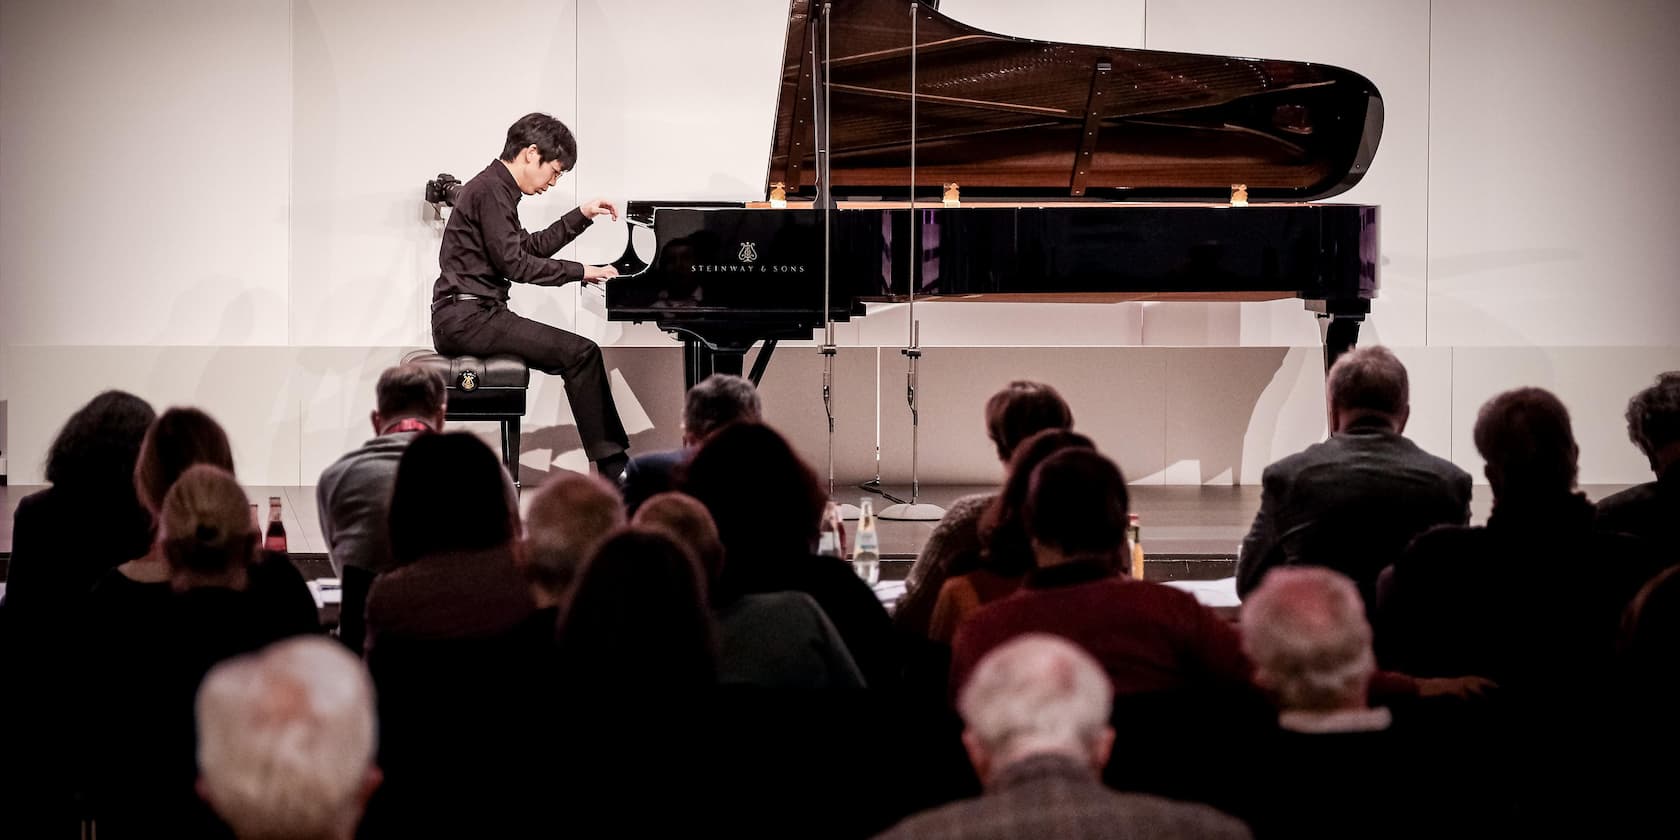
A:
597	273
596	206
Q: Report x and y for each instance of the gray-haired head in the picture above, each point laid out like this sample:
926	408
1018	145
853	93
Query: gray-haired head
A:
717	401
1367	382
286	740
1037	694
1653	419
1305	631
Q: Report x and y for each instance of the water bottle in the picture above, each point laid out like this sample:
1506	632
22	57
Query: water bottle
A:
867	561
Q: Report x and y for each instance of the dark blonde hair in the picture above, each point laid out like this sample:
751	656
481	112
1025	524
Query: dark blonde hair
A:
178	439
684	519
206	522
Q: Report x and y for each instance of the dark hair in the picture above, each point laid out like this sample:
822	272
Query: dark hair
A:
1650	633
97	448
206	522
93	458
450	495
1003	529
774	523
717	401
1368	379
1077	504
1653	416
409	390
1021	410
177	439
551	137
1526	439
638	619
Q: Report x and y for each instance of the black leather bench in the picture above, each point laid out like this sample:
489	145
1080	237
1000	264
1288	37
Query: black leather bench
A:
491	388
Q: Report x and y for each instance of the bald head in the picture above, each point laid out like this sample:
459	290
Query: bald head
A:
568	519
1305	631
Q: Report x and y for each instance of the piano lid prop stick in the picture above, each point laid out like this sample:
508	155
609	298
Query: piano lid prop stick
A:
914	510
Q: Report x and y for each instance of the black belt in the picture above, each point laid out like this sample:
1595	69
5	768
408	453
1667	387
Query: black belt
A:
452	298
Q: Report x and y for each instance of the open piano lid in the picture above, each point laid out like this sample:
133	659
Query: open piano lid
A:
1009	117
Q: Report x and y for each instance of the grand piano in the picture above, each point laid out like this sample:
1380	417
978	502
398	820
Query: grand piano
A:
1081	173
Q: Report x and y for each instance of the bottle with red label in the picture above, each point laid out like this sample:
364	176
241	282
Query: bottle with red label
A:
275	539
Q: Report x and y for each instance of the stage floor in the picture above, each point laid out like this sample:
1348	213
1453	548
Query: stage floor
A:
1189	532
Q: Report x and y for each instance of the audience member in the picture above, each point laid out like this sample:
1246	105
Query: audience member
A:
1007	554
638	625
64	538
1652	510
451	529
768	505
1148	637
1036	716
956	546
767	639
153	655
460	655
56	557
286	740
1536	593
714	402
353	495
1336	766
567	520
1353	502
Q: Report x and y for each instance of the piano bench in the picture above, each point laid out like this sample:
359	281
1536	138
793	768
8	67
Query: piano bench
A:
491	388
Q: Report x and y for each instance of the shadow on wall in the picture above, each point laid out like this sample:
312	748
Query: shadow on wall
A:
1220	400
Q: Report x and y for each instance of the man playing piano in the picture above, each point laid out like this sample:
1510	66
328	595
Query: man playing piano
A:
485	251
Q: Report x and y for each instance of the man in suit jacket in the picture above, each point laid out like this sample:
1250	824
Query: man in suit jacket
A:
1036	729
1353	502
1652	510
717	401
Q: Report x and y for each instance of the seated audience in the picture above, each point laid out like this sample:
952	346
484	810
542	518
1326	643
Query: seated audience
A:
1147	636
461	658
1036	716
1644	723
638	625
354	494
956	546
1007	555
285	742
1532	601
1536	593
452	523
714	402
154	654
1353	502
1652	510
568	518
768	506
1335	766
56	558
766	639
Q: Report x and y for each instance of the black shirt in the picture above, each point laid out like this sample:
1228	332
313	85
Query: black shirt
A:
485	250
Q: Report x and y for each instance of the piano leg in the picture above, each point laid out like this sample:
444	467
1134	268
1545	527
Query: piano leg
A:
701	360
1340	333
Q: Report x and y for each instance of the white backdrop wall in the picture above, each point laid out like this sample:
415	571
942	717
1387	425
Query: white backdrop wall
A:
183	178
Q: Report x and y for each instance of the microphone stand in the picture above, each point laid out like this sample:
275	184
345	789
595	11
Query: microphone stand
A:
914	510
825	200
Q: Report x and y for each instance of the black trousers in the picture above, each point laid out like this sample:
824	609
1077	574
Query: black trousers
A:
486	328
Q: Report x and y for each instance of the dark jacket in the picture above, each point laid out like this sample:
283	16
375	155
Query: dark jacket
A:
1351	503
1650	510
649	475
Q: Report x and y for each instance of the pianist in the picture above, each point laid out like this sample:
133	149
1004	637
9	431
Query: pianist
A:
485	251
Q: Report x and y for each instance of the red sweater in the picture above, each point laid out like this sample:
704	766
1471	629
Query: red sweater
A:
1148	637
